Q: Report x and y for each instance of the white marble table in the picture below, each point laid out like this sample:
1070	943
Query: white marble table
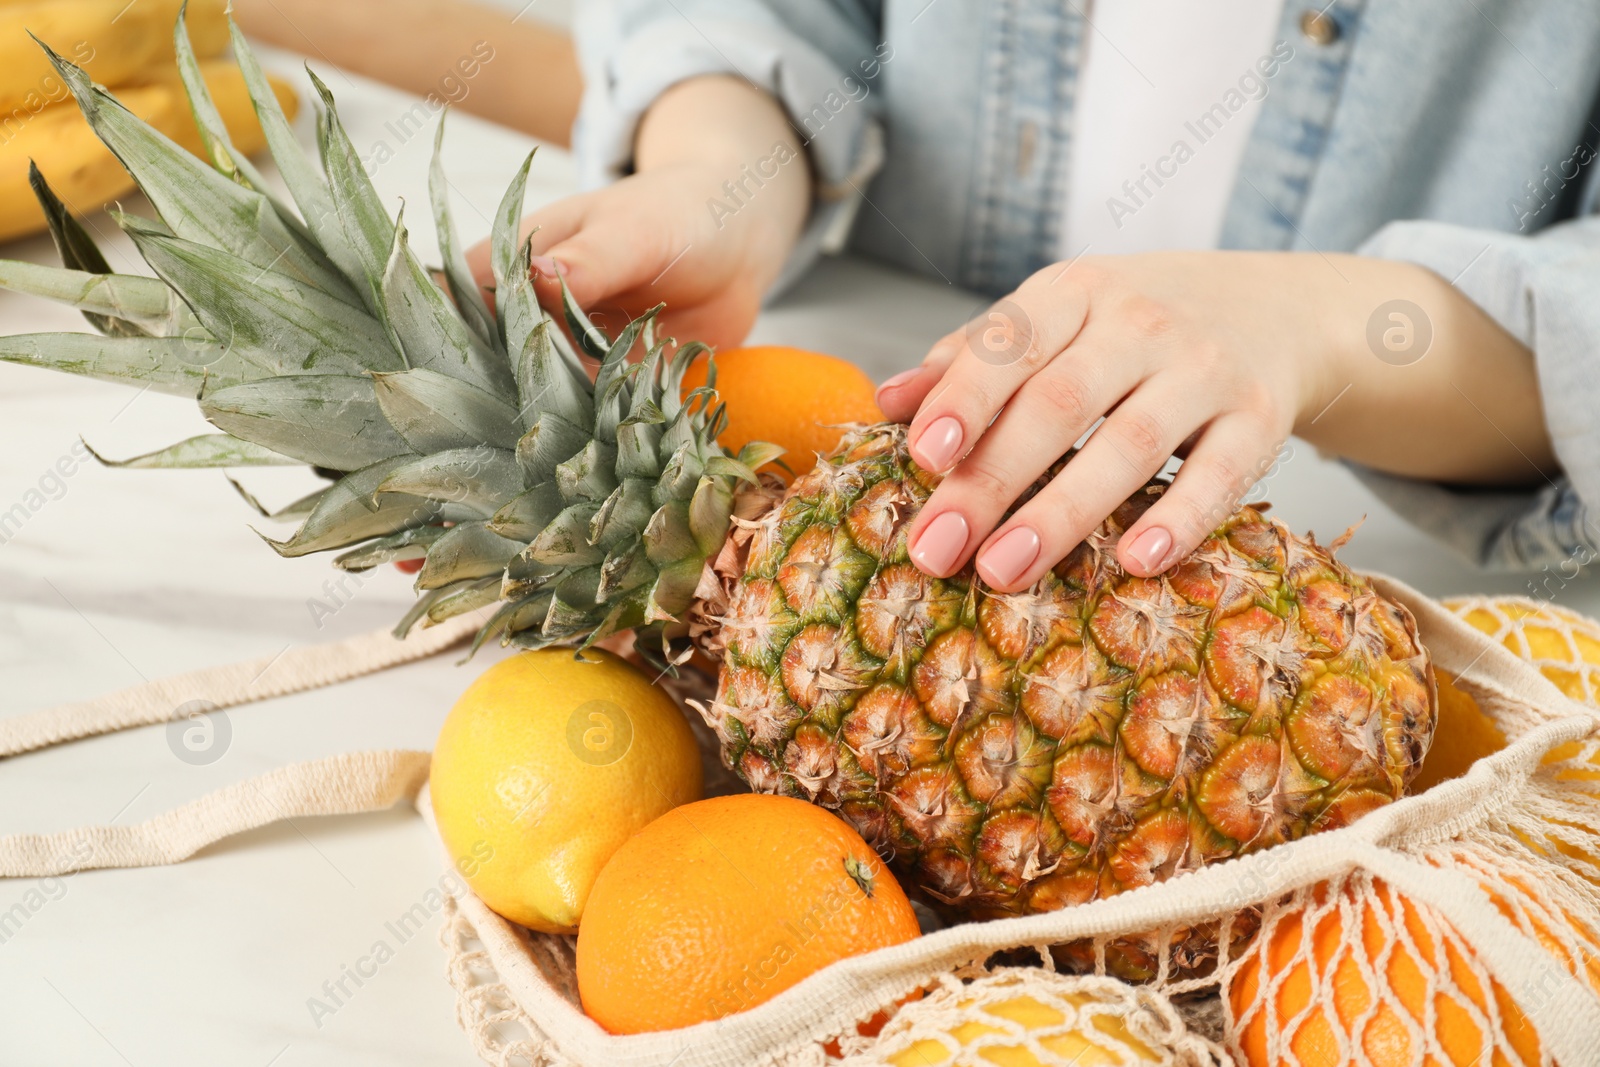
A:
120	576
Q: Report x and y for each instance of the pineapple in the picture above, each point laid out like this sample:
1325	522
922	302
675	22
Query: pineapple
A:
1012	752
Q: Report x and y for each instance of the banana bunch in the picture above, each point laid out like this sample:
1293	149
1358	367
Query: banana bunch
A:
130	47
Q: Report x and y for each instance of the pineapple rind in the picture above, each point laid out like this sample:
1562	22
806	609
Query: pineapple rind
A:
1018	752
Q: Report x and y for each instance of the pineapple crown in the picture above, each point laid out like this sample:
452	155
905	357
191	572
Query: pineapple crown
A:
470	438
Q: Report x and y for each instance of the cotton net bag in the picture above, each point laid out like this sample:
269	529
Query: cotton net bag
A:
1457	926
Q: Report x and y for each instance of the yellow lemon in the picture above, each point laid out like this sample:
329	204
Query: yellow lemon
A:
544	767
1106	1042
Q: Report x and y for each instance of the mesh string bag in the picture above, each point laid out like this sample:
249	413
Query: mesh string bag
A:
1458	926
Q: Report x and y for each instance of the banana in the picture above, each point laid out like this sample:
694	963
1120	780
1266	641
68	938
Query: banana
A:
114	40
81	170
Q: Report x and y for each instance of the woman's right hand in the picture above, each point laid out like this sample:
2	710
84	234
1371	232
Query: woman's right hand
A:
671	232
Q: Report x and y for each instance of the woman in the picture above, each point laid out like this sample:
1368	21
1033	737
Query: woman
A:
1212	223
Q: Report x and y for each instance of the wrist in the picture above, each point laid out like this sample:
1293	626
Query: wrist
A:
738	162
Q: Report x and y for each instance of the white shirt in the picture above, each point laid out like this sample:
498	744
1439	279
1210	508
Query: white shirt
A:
1167	94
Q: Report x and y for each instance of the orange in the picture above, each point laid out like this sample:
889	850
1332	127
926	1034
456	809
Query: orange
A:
789	397
1464	735
1388	1024
721	905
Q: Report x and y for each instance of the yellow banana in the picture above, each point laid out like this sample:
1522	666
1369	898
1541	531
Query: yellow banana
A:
114	40
81	170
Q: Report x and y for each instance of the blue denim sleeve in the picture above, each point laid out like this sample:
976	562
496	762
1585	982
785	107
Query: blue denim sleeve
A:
1541	289
813	56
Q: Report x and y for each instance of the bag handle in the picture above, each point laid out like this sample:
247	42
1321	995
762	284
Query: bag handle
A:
339	785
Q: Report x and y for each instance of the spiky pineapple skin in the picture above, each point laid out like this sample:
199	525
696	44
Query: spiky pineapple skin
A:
1017	753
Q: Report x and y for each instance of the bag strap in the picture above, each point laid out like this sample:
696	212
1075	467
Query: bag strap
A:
339	785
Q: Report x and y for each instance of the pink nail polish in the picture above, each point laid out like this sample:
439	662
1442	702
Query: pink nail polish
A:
940	545
1150	549
1005	560
546	266
940	444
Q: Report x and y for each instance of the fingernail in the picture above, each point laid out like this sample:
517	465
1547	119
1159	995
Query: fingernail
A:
940	545
896	382
1150	549
1004	561
546	266
940	443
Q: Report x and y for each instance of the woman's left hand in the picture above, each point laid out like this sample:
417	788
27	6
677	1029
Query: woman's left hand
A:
1220	355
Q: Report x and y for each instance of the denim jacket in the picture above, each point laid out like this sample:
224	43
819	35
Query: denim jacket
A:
1460	136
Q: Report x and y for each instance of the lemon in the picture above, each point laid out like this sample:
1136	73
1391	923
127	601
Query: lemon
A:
544	767
1046	1025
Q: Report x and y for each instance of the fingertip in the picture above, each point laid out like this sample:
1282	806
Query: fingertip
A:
563	264
939	444
1146	552
897	397
1007	563
940	547
546	266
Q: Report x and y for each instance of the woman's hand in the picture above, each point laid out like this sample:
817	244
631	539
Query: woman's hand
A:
672	232
1219	355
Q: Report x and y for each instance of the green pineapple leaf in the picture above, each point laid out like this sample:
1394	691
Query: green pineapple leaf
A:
461	597
306	183
546	382
503	243
432	333
464	288
199	204
213	131
550	442
528	513
407	544
295	509
435	412
345	514
591	339
327	420
214	137
282	326
176	365
479	478
78	251
148	304
368	230
207	450
468	550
